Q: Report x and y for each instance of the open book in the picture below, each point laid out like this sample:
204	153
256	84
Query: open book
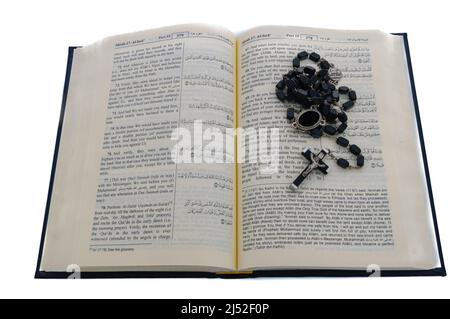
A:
131	196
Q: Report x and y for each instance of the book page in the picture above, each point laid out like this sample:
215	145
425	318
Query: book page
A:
347	219
128	193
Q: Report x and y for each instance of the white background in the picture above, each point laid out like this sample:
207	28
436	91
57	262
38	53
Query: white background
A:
34	36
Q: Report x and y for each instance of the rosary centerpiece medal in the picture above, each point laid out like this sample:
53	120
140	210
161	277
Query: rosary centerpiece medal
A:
308	120
315	107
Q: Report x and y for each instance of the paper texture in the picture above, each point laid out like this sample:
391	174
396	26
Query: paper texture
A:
349	218
126	201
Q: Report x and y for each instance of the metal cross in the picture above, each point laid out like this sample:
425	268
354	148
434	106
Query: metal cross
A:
315	161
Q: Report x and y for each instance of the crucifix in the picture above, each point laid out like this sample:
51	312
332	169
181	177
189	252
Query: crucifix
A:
315	162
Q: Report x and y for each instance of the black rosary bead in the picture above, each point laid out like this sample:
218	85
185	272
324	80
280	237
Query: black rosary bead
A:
296	62
309	70
292	83
343	163
360	160
324	86
342	116
331	116
331	86
303	55
322	73
354	149
335	96
329	99
329	129
302	94
290	88
290	114
342	141
304	81
289	75
341	128
344	89
316	133
352	95
281	95
324	108
324	64
313	79
348	105
317	100
314	57
308	102
313	93
281	85
318	85
290	95
298	98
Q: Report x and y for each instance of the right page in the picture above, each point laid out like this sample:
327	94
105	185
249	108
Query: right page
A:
348	219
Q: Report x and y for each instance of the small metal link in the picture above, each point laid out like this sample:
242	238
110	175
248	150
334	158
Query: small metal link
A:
332	155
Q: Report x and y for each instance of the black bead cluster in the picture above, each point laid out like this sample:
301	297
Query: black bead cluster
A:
354	149
315	88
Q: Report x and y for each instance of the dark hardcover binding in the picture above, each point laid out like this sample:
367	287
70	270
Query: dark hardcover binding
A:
438	271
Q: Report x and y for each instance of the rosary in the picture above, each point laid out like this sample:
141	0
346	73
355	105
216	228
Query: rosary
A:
316	93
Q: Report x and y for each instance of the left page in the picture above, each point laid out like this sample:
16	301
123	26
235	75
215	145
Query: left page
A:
123	198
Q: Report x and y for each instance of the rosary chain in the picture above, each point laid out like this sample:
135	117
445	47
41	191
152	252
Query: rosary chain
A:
335	158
